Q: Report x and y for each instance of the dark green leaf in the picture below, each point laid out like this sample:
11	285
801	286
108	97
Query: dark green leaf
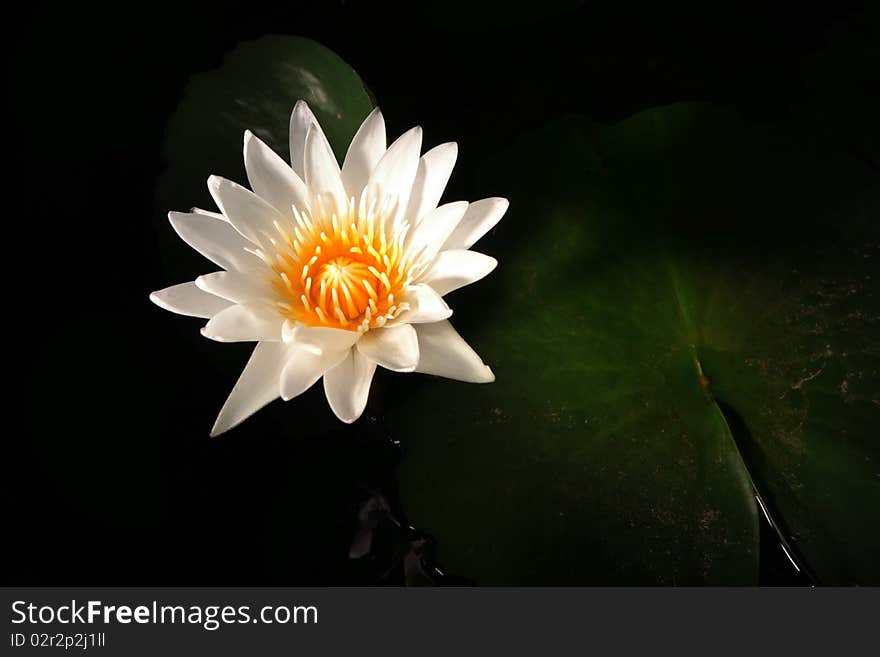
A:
634	258
255	89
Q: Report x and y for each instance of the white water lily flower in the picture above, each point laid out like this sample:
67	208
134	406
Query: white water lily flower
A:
335	271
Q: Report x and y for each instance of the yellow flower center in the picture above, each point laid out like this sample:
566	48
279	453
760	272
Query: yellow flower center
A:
347	273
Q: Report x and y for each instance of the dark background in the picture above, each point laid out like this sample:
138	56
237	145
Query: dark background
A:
109	477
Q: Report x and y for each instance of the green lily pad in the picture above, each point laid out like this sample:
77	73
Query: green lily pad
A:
255	89
683	316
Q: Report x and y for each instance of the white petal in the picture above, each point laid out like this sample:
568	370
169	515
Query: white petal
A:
303	368
259	384
347	386
433	173
479	219
234	286
248	213
208	213
322	171
301	119
395	348
187	299
271	178
457	268
244	324
394	174
214	237
319	339
443	352
434	228
426	306
364	152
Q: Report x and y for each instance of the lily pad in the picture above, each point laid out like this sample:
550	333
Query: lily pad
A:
684	317
255	89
